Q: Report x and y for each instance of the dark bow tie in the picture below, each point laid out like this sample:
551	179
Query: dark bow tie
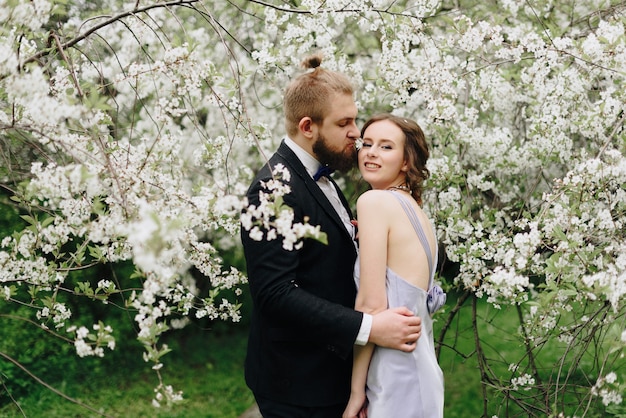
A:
323	171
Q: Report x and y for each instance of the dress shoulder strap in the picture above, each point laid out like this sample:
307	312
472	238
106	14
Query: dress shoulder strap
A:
417	226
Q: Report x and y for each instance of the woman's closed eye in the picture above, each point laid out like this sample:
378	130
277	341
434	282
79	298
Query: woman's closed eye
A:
386	147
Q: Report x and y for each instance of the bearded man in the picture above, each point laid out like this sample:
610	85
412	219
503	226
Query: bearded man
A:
304	326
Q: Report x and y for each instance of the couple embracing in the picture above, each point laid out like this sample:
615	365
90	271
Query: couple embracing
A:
344	328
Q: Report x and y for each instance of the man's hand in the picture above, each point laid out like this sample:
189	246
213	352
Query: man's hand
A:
396	328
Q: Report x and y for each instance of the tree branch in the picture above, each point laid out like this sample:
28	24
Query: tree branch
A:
308	12
107	22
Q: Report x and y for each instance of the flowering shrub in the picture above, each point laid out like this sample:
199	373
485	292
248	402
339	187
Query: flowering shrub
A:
130	131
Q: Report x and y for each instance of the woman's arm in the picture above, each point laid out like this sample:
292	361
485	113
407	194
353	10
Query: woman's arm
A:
373	210
372	295
358	401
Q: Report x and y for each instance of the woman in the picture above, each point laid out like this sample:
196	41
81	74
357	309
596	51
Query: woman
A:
396	265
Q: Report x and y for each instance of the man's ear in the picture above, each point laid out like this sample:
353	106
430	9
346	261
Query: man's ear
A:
306	127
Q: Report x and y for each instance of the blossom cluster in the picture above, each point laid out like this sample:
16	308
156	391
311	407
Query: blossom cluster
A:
131	133
273	219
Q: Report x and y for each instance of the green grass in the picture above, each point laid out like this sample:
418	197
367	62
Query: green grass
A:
463	392
208	367
496	330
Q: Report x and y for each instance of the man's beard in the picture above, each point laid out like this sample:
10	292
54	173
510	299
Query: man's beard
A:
342	160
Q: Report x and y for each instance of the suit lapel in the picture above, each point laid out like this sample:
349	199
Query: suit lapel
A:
297	168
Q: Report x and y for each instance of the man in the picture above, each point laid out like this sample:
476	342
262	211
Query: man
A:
303	326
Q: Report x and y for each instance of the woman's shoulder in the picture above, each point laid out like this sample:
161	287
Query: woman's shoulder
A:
377	199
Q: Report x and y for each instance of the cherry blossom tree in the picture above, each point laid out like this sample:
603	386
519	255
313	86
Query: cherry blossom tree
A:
130	131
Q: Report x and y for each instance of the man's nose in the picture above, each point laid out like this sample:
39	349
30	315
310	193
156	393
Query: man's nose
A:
354	132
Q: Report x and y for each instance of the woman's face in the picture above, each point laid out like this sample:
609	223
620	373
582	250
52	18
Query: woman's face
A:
381	159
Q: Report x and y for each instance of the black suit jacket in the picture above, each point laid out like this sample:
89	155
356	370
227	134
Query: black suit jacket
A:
303	323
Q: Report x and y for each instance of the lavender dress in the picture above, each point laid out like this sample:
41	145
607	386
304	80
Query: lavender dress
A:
408	385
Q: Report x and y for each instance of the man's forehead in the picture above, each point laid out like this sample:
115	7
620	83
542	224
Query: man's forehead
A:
342	108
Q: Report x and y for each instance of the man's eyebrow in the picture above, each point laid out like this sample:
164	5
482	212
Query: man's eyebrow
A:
346	119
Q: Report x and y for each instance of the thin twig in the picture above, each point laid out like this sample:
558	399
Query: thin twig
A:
618	124
40	326
459	304
531	357
57	41
480	356
58	392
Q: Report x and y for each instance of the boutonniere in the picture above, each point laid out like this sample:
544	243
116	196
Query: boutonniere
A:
355	223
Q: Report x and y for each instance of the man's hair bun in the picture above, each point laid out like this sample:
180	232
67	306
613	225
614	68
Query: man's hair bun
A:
312	61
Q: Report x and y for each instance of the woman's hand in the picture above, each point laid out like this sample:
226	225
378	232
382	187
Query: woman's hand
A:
357	406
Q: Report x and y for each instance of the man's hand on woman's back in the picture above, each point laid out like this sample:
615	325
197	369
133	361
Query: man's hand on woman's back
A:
396	328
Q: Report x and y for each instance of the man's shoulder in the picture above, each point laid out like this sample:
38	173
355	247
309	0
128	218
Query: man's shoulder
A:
285	159
279	168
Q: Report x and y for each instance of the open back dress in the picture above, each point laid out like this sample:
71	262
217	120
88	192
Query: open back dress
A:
399	384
